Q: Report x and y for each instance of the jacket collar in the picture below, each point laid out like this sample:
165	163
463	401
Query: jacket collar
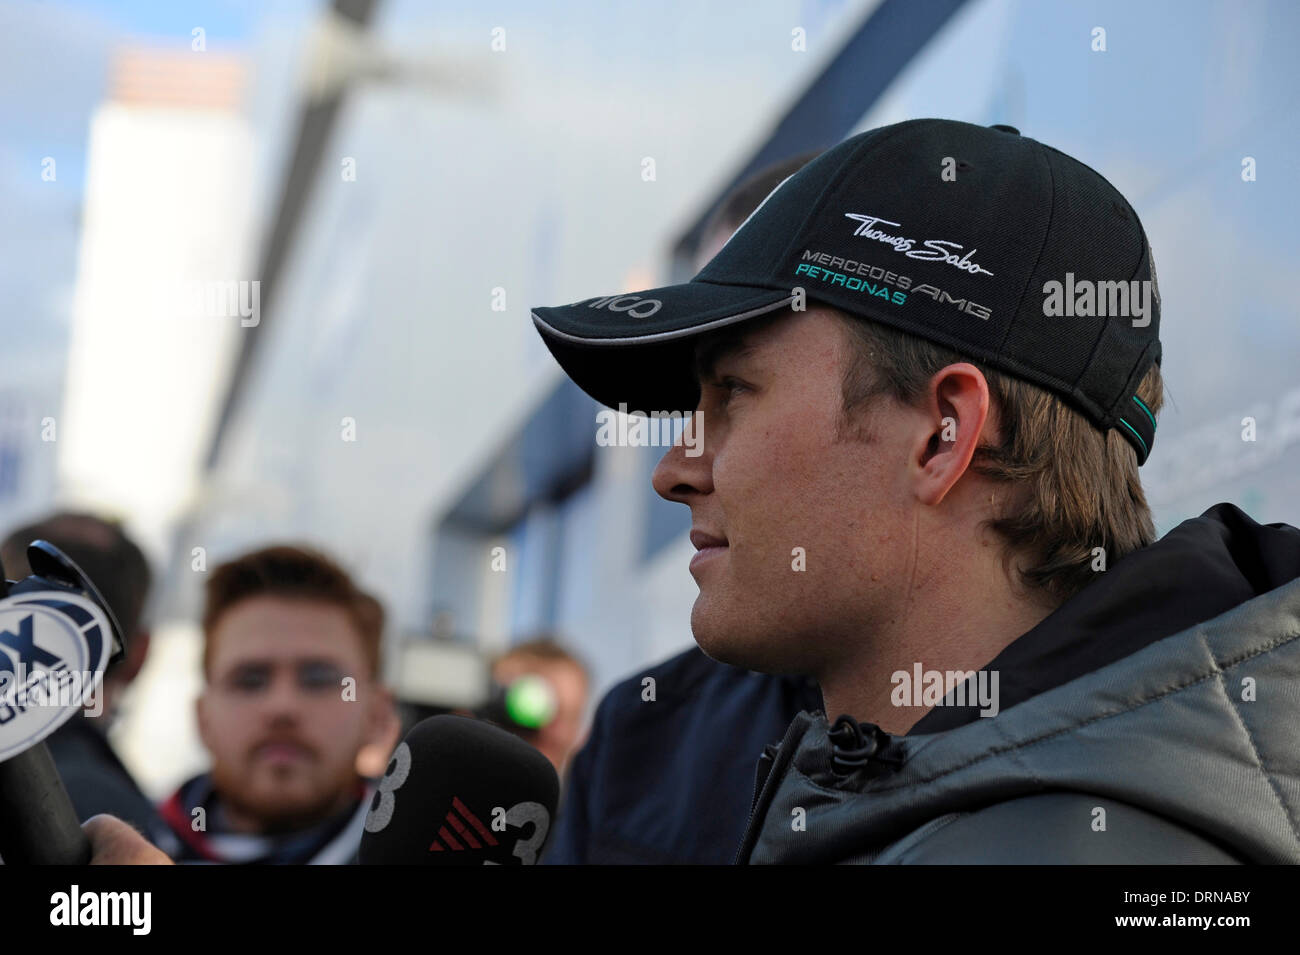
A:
1202	568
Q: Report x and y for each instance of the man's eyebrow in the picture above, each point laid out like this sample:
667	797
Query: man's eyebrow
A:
265	662
709	353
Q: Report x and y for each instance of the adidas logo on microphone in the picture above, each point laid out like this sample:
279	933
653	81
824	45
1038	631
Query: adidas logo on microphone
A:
465	824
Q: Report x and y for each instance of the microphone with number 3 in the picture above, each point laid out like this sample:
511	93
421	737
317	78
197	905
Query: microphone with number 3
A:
459	791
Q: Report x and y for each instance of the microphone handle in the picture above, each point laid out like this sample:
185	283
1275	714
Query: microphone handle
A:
38	825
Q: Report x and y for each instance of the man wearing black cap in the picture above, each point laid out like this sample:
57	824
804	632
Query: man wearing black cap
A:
924	374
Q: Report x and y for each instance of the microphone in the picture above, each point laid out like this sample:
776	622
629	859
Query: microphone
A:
57	634
459	791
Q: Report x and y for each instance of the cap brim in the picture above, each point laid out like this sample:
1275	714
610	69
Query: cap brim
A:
646	361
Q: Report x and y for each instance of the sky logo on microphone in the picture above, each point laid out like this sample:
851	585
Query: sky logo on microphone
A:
53	646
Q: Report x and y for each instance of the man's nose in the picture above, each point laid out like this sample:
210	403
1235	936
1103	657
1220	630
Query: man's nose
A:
283	695
680	476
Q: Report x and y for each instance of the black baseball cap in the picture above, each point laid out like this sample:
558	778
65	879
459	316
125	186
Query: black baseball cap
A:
975	238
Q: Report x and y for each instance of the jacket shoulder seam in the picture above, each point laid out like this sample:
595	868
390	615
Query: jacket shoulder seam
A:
1155	697
1184	833
1259	760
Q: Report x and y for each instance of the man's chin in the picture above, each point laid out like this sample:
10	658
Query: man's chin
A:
734	646
288	812
743	642
282	797
724	652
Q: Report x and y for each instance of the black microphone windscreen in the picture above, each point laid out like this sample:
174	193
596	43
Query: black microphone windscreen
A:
460	791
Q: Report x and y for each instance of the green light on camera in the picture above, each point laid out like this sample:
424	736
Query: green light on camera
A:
530	702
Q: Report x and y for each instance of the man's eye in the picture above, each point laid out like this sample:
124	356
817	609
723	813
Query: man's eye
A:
317	676
731	387
249	681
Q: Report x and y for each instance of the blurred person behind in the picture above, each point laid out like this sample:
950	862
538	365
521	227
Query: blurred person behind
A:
672	782
92	772
291	700
567	678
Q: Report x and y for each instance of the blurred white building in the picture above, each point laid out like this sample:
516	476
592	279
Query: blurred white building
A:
162	293
166	228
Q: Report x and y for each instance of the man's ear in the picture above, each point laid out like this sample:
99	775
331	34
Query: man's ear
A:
382	731
137	650
957	403
200	719
384	722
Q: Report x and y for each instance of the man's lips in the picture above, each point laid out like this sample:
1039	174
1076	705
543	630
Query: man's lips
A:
281	751
703	539
706	546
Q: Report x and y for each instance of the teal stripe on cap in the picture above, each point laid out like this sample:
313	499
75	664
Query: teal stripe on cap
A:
1145	450
1147	410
